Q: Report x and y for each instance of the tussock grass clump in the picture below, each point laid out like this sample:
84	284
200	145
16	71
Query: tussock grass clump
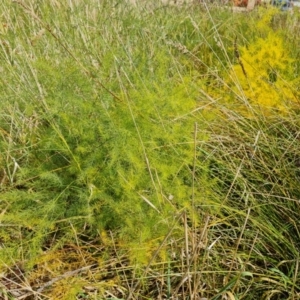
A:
139	161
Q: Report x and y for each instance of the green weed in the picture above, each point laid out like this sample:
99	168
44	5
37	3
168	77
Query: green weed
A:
138	157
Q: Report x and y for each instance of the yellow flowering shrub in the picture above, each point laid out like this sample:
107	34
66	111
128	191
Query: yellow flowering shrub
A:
264	74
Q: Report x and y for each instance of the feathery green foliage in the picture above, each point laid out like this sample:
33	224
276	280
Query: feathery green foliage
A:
139	159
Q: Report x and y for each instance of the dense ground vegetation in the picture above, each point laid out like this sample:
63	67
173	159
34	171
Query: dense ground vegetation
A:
148	152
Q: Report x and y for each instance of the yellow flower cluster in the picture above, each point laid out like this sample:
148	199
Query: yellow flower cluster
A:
264	75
